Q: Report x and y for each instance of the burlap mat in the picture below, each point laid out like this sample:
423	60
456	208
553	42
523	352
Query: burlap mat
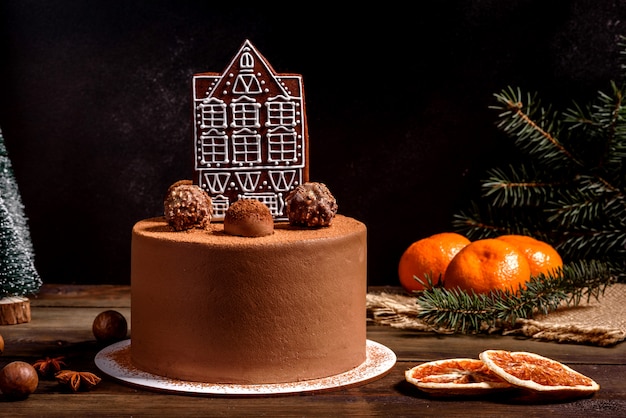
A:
600	322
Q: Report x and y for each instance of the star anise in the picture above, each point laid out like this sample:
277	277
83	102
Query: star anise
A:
77	380
48	367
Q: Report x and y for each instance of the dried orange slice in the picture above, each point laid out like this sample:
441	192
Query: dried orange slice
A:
537	373
460	376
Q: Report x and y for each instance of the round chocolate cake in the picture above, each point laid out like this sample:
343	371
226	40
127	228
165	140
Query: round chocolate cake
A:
217	308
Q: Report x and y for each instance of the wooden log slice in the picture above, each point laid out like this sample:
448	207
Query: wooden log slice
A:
14	310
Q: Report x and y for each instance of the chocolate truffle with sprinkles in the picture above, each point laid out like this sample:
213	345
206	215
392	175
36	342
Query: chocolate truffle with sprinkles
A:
187	206
248	218
311	205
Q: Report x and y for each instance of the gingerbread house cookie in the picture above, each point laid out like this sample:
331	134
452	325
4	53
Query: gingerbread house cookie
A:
250	133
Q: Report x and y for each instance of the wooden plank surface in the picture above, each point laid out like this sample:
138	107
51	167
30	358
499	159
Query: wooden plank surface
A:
61	325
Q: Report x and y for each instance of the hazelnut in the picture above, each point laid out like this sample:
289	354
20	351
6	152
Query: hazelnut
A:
18	379
1	344
109	327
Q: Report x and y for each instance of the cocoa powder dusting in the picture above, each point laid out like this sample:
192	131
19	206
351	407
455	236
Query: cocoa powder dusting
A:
248	208
248	218
379	360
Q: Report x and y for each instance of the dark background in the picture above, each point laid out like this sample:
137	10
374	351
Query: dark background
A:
95	106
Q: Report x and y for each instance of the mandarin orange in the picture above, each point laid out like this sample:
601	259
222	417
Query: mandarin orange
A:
542	257
428	257
485	265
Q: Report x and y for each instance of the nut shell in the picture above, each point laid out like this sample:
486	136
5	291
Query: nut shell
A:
18	379
187	206
109	326
248	218
311	205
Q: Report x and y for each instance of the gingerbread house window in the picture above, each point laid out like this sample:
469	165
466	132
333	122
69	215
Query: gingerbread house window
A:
220	205
282	180
245	113
213	114
214	147
281	112
282	145
247	84
269	199
246	147
216	182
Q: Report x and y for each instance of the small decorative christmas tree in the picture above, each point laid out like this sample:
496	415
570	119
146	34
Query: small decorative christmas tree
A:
569	189
18	276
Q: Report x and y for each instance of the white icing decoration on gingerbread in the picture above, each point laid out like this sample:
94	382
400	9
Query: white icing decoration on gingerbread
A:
250	125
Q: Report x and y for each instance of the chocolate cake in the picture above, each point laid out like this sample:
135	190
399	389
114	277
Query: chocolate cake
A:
211	307
276	293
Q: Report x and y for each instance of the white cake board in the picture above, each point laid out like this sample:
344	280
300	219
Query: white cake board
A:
114	360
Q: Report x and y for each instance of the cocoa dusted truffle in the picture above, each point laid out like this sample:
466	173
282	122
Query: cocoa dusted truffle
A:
311	204
248	218
187	206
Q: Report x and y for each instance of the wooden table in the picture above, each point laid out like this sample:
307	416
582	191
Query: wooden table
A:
61	325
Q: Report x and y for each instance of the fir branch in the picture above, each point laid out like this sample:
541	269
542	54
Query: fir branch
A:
585	242
534	128
487	222
518	187
466	312
586	202
578	117
601	134
610	114
475	224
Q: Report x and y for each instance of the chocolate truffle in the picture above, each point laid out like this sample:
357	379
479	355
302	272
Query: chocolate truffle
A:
187	206
178	183
312	205
248	218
